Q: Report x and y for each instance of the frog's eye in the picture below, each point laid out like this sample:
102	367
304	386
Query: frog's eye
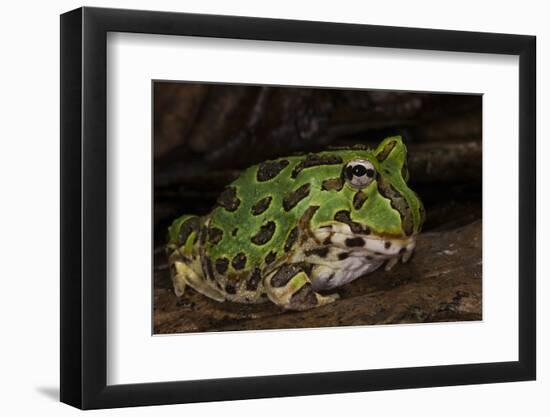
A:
359	173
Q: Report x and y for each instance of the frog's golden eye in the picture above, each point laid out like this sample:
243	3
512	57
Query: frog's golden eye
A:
359	173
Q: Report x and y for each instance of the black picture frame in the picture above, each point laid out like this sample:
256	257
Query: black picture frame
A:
84	207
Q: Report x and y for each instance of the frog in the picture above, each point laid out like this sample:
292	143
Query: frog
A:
294	229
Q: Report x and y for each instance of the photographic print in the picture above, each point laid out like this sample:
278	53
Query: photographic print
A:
300	207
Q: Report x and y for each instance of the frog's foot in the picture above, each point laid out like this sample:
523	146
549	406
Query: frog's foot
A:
183	276
405	255
290	288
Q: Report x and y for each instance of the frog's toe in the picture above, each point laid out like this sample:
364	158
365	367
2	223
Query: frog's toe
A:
326	299
179	280
179	290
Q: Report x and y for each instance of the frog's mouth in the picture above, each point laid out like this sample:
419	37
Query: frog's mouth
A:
371	245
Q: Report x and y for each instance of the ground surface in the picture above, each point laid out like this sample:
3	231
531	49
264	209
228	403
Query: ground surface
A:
442	282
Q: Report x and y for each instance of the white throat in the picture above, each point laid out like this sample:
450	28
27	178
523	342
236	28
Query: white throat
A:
349	256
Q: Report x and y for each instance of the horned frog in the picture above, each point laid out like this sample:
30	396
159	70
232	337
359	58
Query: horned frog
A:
288	228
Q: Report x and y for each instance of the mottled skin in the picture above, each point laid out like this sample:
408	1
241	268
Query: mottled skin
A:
287	228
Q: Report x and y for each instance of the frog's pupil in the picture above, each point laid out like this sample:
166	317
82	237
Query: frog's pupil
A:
359	170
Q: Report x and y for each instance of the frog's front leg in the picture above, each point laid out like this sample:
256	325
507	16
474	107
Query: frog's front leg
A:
183	276
289	286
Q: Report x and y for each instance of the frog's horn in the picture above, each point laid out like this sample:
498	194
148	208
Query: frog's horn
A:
392	153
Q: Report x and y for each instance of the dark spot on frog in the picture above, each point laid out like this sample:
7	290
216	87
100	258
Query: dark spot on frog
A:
270	169
270	257
369	258
312	160
304	297
203	233
359	199
291	239
284	275
265	233
387	245
187	227
407	225
261	206
290	200
307	267
254	280
384	153
402	250
303	223
209	269
399	203
221	265
228	199
239	261
321	252
230	288
332	184
343	255
344	217
355	242
234	232
215	235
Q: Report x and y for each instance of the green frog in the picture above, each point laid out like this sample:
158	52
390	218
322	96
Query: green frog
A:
289	230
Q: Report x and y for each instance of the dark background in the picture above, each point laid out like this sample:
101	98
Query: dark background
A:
204	134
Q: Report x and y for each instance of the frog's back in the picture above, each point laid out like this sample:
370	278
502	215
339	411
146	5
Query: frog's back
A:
257	215
257	224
